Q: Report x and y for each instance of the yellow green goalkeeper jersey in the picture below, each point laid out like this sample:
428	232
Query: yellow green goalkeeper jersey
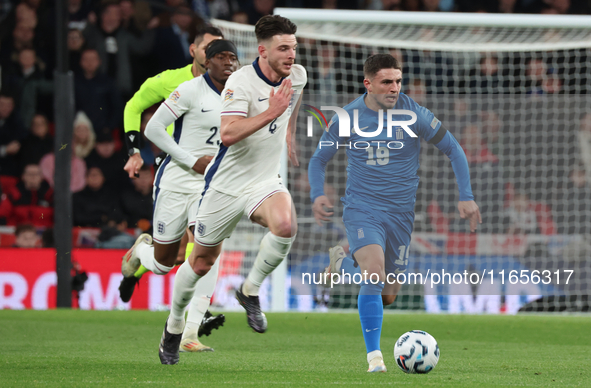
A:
152	91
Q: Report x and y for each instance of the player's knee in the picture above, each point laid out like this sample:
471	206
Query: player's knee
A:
388	299
202	264
285	229
201	267
165	258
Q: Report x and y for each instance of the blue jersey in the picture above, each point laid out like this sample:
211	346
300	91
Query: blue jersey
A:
382	169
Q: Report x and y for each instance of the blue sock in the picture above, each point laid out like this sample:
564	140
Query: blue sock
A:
371	313
348	266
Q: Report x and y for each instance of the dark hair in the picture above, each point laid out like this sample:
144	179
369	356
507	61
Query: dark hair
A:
22	228
271	25
211	30
377	62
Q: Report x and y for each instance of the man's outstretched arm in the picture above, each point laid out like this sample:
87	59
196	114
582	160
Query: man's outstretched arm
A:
467	207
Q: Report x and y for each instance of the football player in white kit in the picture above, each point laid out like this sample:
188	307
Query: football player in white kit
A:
194	107
243	178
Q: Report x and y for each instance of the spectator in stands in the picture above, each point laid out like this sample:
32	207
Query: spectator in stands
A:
12	132
76	45
96	93
259	9
115	46
430	5
223	9
26	73
31	199
26	236
571	208
240	17
110	161
78	11
379	5
485	79
95	204
536	70
136	203
37	144
84	137
491	129
521	216
22	38
77	169
114	234
171	45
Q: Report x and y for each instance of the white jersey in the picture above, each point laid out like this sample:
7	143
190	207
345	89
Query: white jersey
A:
195	106
256	158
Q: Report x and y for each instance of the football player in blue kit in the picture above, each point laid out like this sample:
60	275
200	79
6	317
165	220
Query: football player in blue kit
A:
381	187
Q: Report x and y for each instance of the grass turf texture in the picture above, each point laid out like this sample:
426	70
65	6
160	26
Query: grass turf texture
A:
119	348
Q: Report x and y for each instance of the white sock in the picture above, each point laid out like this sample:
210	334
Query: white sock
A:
374	354
146	254
200	302
183	290
272	251
175	326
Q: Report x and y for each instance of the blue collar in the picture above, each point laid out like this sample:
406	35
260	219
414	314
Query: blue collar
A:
257	68
210	83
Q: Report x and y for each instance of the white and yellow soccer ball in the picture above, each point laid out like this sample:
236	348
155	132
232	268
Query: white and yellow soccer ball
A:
416	351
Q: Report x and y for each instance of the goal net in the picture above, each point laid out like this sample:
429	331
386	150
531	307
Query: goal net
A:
515	91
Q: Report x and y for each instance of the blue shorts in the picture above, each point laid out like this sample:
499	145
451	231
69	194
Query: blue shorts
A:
391	231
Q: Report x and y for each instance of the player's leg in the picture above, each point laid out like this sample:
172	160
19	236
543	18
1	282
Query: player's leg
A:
270	207
369	303
216	219
399	231
278	214
159	254
199	263
185	248
198	308
366	237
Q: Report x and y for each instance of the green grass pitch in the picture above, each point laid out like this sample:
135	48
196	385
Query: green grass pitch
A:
119	348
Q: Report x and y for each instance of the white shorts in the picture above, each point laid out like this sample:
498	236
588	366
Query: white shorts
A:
219	213
173	213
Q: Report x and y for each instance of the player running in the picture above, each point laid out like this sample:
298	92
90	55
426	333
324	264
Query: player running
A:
243	178
381	188
194	108
152	91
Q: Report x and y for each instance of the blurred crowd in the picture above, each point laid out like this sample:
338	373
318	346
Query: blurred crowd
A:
115	45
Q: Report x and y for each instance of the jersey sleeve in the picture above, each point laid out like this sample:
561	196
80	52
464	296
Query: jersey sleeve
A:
180	101
450	147
427	124
169	111
148	95
235	98
324	152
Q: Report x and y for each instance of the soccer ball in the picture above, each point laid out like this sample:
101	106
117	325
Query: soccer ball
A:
416	351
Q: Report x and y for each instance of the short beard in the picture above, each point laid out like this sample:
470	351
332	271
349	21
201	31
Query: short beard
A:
280	71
